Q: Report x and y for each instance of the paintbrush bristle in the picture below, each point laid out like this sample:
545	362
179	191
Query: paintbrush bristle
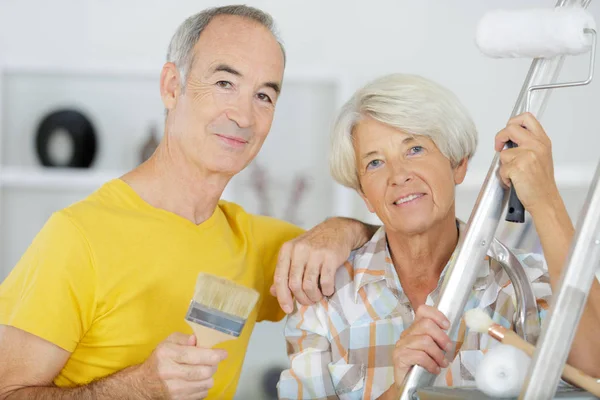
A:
225	295
477	320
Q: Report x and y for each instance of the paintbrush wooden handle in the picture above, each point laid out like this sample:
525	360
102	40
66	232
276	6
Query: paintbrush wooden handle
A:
570	374
517	341
207	337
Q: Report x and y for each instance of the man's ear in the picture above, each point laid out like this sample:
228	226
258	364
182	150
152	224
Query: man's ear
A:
170	85
460	171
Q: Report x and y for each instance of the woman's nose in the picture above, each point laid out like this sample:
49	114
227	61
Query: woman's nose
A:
401	174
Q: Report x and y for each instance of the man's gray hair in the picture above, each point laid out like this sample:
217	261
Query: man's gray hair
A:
181	48
410	103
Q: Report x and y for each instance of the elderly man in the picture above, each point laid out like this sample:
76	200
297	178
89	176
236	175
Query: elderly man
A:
96	306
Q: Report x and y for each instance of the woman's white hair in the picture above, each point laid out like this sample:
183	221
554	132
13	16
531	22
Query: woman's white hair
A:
181	47
410	103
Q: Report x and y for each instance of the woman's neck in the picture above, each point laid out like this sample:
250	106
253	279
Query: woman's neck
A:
420	259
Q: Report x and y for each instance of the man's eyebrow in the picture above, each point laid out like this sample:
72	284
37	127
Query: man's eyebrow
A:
227	68
273	85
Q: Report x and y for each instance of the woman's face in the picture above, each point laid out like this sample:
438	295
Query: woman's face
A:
405	179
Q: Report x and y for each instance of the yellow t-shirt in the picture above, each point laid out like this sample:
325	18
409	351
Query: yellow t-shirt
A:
110	277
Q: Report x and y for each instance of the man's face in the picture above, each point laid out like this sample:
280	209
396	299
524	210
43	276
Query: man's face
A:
223	116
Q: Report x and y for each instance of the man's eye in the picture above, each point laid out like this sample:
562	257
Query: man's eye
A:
264	97
224	84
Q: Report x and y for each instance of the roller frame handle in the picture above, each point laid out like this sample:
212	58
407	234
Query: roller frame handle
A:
515	210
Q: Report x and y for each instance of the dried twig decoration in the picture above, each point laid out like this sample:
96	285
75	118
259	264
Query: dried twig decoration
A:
300	187
260	184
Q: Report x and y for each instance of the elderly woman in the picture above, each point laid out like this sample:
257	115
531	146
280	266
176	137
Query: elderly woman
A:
403	143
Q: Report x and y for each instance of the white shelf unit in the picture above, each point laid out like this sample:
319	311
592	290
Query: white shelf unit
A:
51	179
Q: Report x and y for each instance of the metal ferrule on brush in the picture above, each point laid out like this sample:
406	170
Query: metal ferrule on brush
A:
215	319
497	332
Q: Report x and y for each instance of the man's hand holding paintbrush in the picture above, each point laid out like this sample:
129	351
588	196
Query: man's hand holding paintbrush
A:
182	366
178	369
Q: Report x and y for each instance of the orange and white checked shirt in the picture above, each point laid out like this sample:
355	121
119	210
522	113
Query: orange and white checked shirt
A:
342	347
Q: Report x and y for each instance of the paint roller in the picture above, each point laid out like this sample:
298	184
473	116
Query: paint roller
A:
537	33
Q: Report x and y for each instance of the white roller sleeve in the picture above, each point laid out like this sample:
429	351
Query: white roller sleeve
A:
502	371
534	33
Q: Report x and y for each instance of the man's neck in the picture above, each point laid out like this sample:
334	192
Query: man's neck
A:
170	182
420	259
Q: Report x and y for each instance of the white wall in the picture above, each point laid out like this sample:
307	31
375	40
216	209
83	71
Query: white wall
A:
355	39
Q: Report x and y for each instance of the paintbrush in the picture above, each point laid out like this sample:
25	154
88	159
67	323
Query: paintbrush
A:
479	321
219	309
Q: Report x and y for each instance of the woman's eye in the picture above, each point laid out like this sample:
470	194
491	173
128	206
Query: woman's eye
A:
374	164
224	84
416	150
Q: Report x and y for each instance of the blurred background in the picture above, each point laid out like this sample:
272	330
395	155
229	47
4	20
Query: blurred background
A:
103	59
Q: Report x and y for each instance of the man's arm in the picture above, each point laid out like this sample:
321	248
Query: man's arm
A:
307	264
30	364
176	368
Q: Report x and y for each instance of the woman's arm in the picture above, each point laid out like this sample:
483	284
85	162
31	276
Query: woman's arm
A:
556	233
529	168
309	351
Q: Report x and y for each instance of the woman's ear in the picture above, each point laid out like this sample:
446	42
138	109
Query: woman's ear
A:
460	171
367	202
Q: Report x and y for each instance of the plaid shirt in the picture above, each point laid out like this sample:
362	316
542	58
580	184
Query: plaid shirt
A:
342	347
